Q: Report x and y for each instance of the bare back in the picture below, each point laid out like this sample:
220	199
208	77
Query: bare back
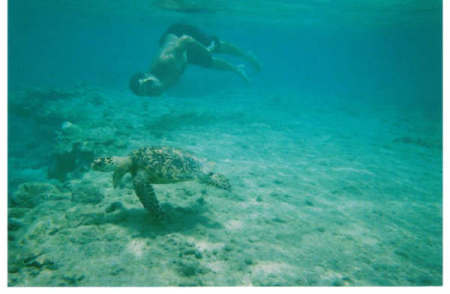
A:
171	61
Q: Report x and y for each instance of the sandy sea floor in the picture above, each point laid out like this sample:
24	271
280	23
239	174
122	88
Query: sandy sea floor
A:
326	191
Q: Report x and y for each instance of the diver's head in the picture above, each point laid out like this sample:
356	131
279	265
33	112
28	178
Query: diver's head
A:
145	84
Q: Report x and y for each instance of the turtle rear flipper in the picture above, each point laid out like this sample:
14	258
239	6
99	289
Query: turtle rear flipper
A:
146	194
217	180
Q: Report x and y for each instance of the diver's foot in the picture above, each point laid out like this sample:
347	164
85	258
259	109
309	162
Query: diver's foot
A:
253	61
242	72
212	46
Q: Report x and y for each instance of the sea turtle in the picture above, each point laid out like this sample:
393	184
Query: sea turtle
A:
157	165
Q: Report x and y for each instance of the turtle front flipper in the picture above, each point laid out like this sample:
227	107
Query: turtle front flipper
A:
123	165
117	176
146	194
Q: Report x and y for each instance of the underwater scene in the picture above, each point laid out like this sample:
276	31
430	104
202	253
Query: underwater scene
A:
224	143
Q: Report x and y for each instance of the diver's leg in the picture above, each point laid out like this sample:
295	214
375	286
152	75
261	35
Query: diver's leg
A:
224	65
199	55
228	48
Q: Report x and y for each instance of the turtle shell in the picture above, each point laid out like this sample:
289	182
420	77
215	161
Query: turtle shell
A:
166	164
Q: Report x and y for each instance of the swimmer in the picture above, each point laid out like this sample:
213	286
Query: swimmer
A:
181	45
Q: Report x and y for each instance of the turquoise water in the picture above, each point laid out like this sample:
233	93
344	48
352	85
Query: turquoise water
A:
333	150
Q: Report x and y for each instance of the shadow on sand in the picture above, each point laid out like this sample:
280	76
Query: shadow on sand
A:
176	219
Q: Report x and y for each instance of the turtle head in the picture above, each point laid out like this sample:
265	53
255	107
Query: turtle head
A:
217	180
105	164
119	165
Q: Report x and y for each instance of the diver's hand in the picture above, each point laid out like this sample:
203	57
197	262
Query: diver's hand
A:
254	61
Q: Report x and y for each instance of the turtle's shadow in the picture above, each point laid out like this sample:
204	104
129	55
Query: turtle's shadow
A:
176	219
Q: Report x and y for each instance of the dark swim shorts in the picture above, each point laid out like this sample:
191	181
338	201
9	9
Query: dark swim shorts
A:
194	55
